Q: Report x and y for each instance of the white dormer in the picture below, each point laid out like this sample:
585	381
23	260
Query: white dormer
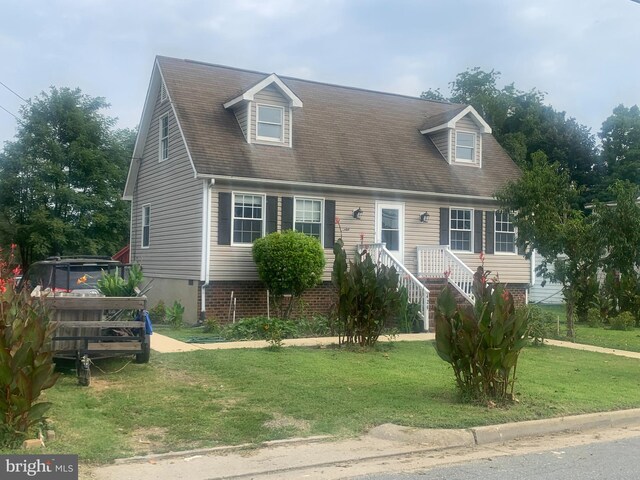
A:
264	112
457	134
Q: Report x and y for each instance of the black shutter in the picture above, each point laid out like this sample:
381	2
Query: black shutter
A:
272	214
477	231
490	218
224	218
329	223
287	213
444	226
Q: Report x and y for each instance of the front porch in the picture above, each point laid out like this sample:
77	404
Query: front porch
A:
436	267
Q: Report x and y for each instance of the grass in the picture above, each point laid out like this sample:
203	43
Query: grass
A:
600	337
209	398
186	333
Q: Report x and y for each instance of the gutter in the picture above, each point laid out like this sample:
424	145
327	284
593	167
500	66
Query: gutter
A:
205	268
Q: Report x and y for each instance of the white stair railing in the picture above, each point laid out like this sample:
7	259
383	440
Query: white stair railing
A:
441	262
416	290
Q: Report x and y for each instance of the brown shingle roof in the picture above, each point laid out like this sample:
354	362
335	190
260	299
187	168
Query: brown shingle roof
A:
342	136
442	117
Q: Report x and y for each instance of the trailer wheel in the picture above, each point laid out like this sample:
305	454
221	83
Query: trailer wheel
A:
144	356
83	370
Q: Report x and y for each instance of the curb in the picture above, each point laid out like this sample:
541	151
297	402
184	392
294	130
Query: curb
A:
532	428
222	449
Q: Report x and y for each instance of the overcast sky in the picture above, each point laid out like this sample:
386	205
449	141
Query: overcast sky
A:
584	53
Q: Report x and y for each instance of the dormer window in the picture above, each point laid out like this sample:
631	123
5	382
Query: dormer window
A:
270	123
465	147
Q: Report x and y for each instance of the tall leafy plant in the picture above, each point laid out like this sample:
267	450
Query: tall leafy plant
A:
26	357
481	342
368	296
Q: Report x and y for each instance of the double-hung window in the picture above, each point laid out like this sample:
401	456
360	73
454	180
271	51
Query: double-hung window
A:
164	137
248	217
460	229
308	216
270	123
146	226
465	147
505	233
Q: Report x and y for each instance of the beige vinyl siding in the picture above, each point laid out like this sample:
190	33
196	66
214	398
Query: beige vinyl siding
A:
270	96
235	262
241	116
441	141
175	200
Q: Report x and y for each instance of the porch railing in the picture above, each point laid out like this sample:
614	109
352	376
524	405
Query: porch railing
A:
441	262
416	290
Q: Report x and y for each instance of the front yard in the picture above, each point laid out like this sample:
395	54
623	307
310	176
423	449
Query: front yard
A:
209	398
600	337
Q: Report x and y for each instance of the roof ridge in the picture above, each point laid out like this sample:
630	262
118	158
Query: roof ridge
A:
347	87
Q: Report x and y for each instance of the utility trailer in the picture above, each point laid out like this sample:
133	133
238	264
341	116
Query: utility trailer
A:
93	327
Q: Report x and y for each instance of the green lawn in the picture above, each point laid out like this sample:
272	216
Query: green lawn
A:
209	398
186	333
600	337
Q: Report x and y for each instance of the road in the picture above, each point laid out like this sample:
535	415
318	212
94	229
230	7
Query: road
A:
611	460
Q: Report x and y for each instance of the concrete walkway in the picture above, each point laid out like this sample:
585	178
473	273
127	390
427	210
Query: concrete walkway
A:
163	344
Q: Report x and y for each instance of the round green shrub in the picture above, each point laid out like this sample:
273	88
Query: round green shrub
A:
289	262
594	318
623	321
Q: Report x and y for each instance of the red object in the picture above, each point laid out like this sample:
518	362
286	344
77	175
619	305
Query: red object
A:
123	255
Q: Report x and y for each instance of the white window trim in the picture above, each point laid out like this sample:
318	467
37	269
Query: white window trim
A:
161	138
142	219
258	122
321	199
471	249
495	232
473	161
233	216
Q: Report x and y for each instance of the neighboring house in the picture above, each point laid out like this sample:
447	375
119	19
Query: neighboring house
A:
225	156
551	292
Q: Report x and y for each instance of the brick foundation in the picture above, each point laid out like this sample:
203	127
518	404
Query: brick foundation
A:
251	300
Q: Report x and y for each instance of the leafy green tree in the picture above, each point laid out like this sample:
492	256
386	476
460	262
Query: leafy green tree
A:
524	125
542	201
62	178
288	262
619	225
620	135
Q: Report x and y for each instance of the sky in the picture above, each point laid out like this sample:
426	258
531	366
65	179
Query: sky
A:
585	54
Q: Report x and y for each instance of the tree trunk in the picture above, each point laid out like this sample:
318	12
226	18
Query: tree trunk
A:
570	330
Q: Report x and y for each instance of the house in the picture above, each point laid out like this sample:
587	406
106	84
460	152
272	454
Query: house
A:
224	156
549	293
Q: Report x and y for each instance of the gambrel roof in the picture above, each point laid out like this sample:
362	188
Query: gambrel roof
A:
342	137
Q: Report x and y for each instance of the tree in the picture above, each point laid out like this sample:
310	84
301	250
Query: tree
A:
524	125
288	263
62	178
620	135
542	201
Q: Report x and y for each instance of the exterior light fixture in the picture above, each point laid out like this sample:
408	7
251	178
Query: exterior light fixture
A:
357	213
424	217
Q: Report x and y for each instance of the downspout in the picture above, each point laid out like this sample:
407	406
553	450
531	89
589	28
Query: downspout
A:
205	268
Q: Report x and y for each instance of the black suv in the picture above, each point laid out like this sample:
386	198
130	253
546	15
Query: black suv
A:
69	274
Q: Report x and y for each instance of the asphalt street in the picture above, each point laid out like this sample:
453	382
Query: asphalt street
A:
612	460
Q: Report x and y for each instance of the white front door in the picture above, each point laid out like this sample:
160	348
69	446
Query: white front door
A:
390	227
